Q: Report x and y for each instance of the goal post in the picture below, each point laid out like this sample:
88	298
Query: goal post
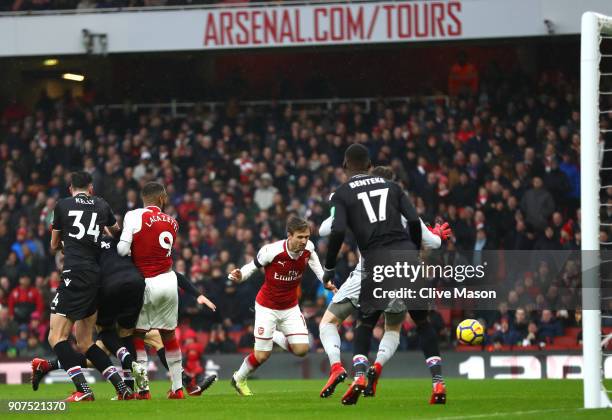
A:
593	26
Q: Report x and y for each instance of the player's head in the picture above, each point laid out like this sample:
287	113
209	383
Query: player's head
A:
154	194
357	158
81	182
298	234
384	172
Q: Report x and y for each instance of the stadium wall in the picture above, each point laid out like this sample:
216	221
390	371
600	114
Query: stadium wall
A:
471	365
292	25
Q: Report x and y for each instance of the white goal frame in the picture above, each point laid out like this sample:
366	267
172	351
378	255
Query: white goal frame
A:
593	26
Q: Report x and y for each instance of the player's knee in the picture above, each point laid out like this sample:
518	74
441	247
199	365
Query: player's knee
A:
329	318
299	350
53	338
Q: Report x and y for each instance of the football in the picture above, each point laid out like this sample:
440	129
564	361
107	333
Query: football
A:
471	332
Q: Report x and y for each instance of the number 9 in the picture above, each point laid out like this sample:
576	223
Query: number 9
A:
165	241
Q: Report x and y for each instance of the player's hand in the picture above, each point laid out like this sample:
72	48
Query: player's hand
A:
203	300
329	285
442	230
235	275
328	275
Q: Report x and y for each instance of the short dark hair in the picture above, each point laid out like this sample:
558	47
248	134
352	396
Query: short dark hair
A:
357	156
296	223
80	179
153	190
384	171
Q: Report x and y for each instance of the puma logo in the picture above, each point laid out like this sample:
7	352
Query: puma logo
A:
282	263
105	245
67	281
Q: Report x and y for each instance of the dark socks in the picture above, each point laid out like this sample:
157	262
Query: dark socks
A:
161	353
71	362
113	343
431	350
102	362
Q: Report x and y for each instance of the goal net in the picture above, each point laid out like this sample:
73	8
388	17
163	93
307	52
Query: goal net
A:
596	176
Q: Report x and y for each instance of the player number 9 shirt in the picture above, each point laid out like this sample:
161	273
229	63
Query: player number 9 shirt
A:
152	234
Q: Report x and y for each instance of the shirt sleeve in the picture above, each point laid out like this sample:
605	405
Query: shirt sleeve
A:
338	214
127	234
325	228
57	217
314	263
263	258
430	241
186	285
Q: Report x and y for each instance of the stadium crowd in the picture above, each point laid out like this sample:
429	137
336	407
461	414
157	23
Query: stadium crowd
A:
500	166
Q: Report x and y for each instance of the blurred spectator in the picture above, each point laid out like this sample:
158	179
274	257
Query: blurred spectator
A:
264	195
24	300
520	323
33	348
219	342
548	327
8	330
463	77
506	336
18	246
532	337
538	204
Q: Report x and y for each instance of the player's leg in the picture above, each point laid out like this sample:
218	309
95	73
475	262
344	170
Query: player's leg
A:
361	349
121	299
97	356
292	325
164	298
265	325
68	359
143	325
386	349
174	360
111	341
330	339
431	350
76	299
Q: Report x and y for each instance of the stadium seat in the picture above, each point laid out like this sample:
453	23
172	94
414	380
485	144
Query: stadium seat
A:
565	341
572	331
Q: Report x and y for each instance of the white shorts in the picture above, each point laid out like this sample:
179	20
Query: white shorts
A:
350	289
290	322
160	306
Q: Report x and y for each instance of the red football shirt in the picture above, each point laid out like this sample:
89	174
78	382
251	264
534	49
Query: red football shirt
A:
152	234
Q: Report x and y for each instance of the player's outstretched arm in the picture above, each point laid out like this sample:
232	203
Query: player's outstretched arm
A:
336	237
315	266
263	258
184	283
203	300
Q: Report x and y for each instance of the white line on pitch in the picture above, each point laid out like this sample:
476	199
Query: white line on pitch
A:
507	413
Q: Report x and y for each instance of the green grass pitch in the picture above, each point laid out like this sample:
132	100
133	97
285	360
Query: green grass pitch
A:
299	399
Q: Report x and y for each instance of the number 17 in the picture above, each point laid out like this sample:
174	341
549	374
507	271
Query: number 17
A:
382	205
